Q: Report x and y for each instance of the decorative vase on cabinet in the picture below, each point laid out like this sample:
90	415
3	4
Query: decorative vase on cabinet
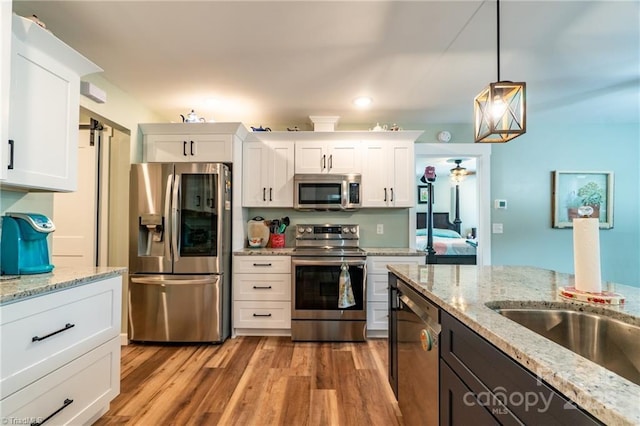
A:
44	89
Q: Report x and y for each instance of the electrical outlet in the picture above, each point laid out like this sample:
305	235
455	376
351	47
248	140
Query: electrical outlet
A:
380	228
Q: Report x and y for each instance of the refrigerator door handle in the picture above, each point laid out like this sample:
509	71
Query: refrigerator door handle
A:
163	280
175	217
167	215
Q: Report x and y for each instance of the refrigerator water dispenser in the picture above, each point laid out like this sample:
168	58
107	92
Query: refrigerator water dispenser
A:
24	244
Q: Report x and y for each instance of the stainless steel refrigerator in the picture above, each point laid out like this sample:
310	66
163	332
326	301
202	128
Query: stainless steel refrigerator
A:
180	252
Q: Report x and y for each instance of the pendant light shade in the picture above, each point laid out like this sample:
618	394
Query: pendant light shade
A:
500	108
500	112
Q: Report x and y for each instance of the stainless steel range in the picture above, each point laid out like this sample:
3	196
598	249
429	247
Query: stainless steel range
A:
320	252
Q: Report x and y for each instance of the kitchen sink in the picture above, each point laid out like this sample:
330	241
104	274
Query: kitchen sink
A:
607	341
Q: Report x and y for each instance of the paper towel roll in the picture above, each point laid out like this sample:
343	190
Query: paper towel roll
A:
586	254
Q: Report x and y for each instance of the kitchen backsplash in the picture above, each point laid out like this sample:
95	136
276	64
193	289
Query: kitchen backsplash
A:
395	223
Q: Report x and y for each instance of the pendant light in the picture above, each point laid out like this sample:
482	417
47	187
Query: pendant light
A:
500	109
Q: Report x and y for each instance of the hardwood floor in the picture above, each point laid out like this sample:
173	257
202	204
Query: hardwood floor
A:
255	381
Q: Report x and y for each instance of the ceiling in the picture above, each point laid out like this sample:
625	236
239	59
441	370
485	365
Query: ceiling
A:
276	63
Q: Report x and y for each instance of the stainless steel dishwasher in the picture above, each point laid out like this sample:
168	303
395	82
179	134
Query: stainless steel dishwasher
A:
418	332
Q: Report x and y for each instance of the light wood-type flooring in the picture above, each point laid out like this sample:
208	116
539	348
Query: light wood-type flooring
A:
255	381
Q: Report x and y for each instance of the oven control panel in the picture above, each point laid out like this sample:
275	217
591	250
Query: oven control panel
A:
327	232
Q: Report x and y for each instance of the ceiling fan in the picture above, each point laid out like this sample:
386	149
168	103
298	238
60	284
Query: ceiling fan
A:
459	173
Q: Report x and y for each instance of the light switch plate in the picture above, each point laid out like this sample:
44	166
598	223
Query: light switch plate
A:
497	228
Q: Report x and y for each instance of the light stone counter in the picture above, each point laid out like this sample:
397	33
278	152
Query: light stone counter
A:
463	291
288	251
26	286
393	251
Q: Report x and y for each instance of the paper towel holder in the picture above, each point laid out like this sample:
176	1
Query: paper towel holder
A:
585	211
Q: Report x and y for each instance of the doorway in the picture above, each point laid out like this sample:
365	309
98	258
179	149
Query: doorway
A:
89	230
475	204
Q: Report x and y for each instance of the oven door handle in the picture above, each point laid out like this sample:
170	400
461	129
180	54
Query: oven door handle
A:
324	261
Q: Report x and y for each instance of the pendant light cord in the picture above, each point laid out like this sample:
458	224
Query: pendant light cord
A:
498	35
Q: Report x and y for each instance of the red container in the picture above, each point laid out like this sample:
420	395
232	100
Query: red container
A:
276	240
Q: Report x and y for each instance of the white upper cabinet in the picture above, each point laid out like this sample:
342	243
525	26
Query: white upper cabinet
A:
388	174
267	174
199	148
324	156
191	142
5	69
42	143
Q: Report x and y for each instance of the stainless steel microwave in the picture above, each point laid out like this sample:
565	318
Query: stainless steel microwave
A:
327	191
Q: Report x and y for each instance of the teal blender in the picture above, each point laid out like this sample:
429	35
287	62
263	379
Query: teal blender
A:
24	248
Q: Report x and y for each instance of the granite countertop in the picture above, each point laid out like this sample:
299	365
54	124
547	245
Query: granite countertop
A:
393	251
288	251
25	286
463	291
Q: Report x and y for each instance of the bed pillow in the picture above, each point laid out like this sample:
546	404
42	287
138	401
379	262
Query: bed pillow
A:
445	233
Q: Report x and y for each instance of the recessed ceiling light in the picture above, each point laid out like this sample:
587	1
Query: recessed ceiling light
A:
362	101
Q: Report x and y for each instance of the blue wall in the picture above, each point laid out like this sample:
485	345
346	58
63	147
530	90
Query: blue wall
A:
521	174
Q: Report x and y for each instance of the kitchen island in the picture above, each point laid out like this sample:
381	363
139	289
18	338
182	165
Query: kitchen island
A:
60	335
463	291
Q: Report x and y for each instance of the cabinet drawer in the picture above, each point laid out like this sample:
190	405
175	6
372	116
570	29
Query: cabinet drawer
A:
377	316
377	287
90	381
262	287
252	314
262	264
46	332
378	264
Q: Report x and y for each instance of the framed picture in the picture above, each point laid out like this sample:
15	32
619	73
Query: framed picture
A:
572	190
423	194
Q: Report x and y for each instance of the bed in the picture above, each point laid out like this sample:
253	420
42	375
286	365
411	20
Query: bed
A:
448	245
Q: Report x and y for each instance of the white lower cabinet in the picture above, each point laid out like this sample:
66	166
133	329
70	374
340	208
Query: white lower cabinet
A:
261	295
61	354
377	293
77	393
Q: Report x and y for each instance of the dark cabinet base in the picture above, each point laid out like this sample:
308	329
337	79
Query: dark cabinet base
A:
475	375
458	404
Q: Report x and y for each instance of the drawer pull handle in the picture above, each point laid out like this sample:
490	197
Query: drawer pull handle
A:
66	327
11	147
262	264
262	287
261	315
66	403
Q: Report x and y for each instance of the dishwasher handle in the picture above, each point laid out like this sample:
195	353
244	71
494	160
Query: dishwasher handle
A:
428	319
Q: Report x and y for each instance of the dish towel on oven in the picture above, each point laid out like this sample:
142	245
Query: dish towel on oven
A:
345	296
